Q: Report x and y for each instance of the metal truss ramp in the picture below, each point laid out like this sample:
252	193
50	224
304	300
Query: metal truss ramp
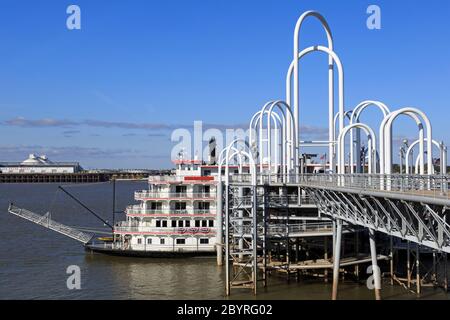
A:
47	222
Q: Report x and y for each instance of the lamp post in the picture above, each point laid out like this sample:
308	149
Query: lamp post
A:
405	147
401	154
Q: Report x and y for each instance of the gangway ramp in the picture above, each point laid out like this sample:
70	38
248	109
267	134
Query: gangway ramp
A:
47	222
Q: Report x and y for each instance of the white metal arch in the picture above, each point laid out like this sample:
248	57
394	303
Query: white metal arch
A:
388	138
371	145
246	154
356	114
441	148
268	110
367	103
347	114
268	139
254	119
289	138
416	169
255	124
384	150
295	60
334	57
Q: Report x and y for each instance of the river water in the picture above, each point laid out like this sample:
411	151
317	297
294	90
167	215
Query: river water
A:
34	260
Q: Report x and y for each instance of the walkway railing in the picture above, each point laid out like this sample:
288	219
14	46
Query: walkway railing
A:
435	186
284	230
123	228
47	222
181	179
137	210
175	195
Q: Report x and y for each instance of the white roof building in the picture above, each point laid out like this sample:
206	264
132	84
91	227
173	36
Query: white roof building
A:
39	164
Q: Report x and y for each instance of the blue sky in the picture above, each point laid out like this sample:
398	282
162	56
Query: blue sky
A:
109	95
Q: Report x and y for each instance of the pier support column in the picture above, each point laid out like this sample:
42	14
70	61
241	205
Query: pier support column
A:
255	239
325	257
265	238
391	254
219	236
418	287
227	245
241	226
408	266
445	273
434	273
357	254
375	268
334	234
297	258
336	258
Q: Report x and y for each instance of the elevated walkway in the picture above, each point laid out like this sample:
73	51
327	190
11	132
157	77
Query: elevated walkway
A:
47	222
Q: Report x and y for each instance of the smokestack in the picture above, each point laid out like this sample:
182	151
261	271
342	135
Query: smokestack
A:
212	151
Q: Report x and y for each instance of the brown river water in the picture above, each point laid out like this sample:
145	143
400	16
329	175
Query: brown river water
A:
34	260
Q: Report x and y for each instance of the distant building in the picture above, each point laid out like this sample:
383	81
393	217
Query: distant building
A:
39	164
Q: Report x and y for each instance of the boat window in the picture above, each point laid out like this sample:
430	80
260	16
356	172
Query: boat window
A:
204	223
158	223
203	205
197	223
180	224
187	223
204	241
180	205
149	240
156	205
174	223
164	223
162	241
211	223
181	241
139	241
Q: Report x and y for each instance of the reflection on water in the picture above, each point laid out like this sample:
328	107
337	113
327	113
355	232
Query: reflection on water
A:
141	278
33	260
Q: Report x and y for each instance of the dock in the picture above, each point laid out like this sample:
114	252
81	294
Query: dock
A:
78	177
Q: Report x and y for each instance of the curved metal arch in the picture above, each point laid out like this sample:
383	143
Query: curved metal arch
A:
254	124
254	118
247	154
372	146
335	58
388	138
221	161
416	169
347	114
288	137
268	135
411	147
355	118
384	151
367	103
298	25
